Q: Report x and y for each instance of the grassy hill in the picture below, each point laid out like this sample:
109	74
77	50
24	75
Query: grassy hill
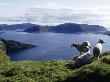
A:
55	71
52	71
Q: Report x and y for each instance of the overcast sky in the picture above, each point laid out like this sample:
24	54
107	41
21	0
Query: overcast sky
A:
52	12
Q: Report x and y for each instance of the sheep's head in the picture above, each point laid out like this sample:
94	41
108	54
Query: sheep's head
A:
86	49
86	43
101	41
74	44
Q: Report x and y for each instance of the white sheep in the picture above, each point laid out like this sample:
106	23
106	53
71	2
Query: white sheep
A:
83	59
98	48
82	48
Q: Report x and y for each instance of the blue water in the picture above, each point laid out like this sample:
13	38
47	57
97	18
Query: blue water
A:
51	46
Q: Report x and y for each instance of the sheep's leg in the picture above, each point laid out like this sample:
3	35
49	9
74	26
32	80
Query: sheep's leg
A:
98	56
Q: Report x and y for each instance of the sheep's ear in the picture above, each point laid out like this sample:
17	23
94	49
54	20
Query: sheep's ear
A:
101	39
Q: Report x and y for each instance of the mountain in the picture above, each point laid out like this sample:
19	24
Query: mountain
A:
16	26
12	45
39	28
107	33
67	28
92	28
33	29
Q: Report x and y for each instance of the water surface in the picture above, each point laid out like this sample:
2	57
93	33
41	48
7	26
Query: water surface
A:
51	46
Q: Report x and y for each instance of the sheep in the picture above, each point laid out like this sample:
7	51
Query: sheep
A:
83	59
86	43
98	49
81	47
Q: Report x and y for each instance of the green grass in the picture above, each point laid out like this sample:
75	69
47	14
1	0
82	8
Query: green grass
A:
97	71
3	57
35	71
55	71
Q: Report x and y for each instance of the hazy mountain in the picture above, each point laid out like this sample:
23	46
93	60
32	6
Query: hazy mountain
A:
16	26
67	28
107	33
92	28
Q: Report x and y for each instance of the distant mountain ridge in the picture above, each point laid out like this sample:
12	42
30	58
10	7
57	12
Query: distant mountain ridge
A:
16	26
67	28
107	33
61	28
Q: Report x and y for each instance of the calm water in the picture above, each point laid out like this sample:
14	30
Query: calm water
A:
52	46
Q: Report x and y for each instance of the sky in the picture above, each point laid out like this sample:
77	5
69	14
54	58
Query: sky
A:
53	12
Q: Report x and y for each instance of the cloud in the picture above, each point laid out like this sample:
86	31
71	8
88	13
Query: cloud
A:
53	13
5	4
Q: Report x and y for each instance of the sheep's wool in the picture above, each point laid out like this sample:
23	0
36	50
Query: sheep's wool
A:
99	45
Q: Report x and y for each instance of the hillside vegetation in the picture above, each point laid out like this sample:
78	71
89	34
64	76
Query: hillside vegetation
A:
3	56
55	71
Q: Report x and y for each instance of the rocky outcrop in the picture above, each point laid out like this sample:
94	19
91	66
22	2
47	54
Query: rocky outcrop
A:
12	45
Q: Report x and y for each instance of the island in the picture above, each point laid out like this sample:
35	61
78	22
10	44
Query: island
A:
12	45
67	28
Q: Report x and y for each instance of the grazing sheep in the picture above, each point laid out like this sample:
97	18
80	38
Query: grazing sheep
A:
82	48
83	59
98	48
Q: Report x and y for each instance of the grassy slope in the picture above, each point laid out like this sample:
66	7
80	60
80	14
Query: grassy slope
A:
52	71
55	71
35	71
